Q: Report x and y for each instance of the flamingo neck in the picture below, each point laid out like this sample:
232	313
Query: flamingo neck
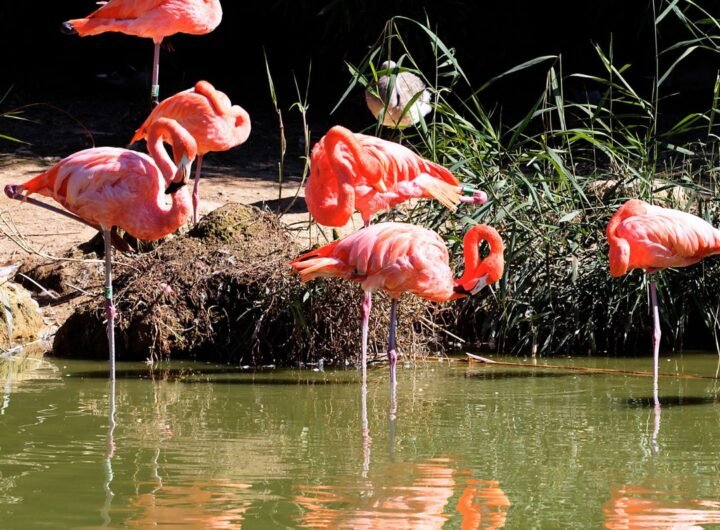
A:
366	168
619	255
480	272
183	146
330	200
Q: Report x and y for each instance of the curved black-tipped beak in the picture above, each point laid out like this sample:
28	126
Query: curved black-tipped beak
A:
67	29
182	175
174	186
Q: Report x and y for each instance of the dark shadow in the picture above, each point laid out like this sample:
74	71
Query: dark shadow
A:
284	205
524	374
665	402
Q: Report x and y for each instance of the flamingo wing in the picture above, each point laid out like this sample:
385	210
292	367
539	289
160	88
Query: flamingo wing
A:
393	257
207	114
103	185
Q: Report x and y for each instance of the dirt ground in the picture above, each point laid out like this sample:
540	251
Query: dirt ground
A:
247	174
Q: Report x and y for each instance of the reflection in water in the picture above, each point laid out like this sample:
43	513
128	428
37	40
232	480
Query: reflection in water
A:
634	508
366	439
105	511
414	497
204	505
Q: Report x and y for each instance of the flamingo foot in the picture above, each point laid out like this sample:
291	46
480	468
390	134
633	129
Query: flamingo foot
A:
110	311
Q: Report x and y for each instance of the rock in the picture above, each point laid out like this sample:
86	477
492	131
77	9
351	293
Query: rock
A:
20	317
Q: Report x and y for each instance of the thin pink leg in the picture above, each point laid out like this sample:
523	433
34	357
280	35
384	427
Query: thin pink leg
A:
196	190
392	354
655	342
109	307
155	88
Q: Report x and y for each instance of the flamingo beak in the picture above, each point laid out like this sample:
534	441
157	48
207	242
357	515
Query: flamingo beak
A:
13	191
182	175
481	283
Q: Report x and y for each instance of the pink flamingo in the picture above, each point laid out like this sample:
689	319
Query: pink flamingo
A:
207	114
109	187
357	172
151	19
399	258
652	238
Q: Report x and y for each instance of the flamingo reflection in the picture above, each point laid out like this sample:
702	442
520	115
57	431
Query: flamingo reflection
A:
422	502
213	504
635	508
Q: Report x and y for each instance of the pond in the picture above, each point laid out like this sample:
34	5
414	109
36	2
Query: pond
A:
461	445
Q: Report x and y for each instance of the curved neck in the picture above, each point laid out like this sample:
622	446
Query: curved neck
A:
183	146
619	255
329	201
366	166
221	106
480	272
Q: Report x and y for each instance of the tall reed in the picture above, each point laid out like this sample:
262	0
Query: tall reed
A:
556	176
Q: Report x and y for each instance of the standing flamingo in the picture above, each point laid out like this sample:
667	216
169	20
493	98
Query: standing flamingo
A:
401	97
353	171
109	187
652	238
151	19
207	114
399	258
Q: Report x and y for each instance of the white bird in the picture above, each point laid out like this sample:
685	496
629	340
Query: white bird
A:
394	97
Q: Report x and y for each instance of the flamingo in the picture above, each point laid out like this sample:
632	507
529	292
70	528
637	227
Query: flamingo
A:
207	114
152	19
652	238
398	258
110	187
402	98
353	171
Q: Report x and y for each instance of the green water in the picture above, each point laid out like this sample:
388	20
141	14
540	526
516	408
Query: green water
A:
469	446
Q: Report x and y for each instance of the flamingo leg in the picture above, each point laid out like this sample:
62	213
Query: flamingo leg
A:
11	190
655	341
109	307
392	354
196	190
155	88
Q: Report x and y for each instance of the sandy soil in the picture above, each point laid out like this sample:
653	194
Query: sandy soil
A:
28	229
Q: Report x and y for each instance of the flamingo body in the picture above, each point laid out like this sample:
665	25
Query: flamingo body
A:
649	237
110	186
402	257
357	172
209	116
399	258
153	19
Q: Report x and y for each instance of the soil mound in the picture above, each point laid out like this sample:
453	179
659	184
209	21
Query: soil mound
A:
224	292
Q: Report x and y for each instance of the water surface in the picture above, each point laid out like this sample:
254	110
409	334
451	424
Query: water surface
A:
462	445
